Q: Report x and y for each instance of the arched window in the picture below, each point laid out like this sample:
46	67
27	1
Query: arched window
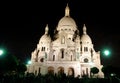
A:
43	48
53	57
60	70
70	72
50	70
71	57
81	48
86	71
85	49
63	40
62	53
39	70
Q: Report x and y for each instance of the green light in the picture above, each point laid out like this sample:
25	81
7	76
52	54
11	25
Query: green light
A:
112	74
29	62
107	52
1	52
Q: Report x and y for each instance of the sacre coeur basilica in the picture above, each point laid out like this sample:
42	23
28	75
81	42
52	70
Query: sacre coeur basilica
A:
68	53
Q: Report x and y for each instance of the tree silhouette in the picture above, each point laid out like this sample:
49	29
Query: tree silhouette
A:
9	64
21	68
108	70
94	70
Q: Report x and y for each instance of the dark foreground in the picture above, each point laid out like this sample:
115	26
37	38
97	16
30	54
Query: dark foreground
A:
54	79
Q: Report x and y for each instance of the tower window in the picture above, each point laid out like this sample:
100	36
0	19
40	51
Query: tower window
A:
63	40
53	57
39	70
85	49
62	52
71	57
43	49
81	48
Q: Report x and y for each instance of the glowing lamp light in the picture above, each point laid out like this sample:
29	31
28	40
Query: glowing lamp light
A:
106	52
1	52
112	74
29	62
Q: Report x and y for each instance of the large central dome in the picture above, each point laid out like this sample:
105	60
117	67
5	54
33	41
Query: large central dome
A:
66	21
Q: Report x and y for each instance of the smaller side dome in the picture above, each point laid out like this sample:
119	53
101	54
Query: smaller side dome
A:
85	38
46	38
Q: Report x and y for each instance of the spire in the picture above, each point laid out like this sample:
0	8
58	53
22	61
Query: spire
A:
46	29
67	11
84	29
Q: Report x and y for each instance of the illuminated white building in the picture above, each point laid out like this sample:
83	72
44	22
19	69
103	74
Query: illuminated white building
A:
68	52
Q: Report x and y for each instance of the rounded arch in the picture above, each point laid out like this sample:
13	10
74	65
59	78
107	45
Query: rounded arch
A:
60	70
70	71
62	52
50	70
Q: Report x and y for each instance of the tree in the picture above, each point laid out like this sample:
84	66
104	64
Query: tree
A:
8	64
94	70
21	68
107	70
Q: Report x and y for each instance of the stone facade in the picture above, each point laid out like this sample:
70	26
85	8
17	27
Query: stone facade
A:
68	52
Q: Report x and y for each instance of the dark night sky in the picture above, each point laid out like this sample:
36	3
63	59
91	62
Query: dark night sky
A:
23	23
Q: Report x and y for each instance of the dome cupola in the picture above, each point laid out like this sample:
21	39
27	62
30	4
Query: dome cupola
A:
45	38
66	22
85	38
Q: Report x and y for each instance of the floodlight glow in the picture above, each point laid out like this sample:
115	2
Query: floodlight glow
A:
29	62
1	52
107	52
